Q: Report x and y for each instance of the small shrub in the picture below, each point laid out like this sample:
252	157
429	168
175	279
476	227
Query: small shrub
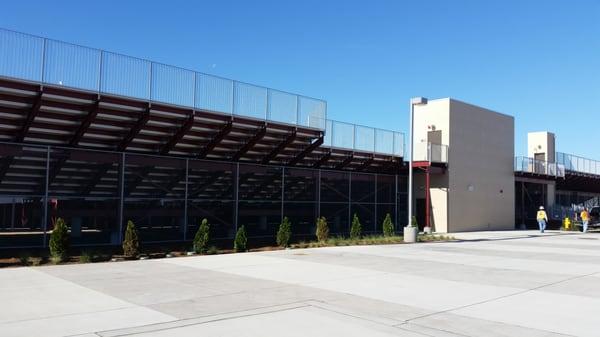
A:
413	222
212	250
284	233
322	229
24	258
85	257
59	241
356	228
241	241
388	226
302	244
131	244
35	261
201	238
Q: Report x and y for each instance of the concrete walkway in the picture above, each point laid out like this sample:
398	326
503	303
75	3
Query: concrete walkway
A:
489	284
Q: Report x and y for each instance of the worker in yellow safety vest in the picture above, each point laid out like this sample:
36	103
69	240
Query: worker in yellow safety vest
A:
542	219
585	219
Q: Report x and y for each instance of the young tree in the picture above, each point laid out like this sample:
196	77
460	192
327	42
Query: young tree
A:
131	244
388	226
201	238
241	241
413	222
322	229
356	229
59	241
284	233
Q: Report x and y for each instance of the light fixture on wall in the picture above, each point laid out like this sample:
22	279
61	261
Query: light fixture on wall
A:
470	188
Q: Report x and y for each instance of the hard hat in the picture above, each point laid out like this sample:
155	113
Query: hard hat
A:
541	207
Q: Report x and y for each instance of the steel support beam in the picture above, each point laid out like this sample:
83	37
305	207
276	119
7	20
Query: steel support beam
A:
135	130
81	130
85	124
35	108
96	179
306	151
323	160
345	162
273	154
185	128
365	165
250	144
219	136
142	174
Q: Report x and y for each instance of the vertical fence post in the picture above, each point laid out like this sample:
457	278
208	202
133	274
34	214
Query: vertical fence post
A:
100	71
395	201
353	136
43	65
233	93
297	110
185	207
150	81
195	86
45	225
236	190
319	194
282	190
349	200
332	132
374	140
121	195
268	105
375	223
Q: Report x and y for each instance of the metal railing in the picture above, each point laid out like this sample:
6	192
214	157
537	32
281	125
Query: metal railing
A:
363	138
430	152
578	164
533	166
47	61
41	60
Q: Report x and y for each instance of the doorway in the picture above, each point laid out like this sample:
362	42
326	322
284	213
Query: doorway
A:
420	214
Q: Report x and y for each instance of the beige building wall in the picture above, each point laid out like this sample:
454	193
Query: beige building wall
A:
477	190
432	117
481	171
541	142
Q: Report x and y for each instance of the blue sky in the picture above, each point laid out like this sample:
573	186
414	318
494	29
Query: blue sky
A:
536	60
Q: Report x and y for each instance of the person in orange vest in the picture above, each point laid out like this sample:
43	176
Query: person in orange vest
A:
542	219
585	219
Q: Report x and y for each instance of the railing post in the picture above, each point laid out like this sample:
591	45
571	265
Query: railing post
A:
298	110
429	152
43	68
195	86
332	133
150	81
374	140
268	105
100	71
233	93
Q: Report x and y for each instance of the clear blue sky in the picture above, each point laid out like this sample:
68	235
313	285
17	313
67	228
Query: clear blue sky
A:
536	60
